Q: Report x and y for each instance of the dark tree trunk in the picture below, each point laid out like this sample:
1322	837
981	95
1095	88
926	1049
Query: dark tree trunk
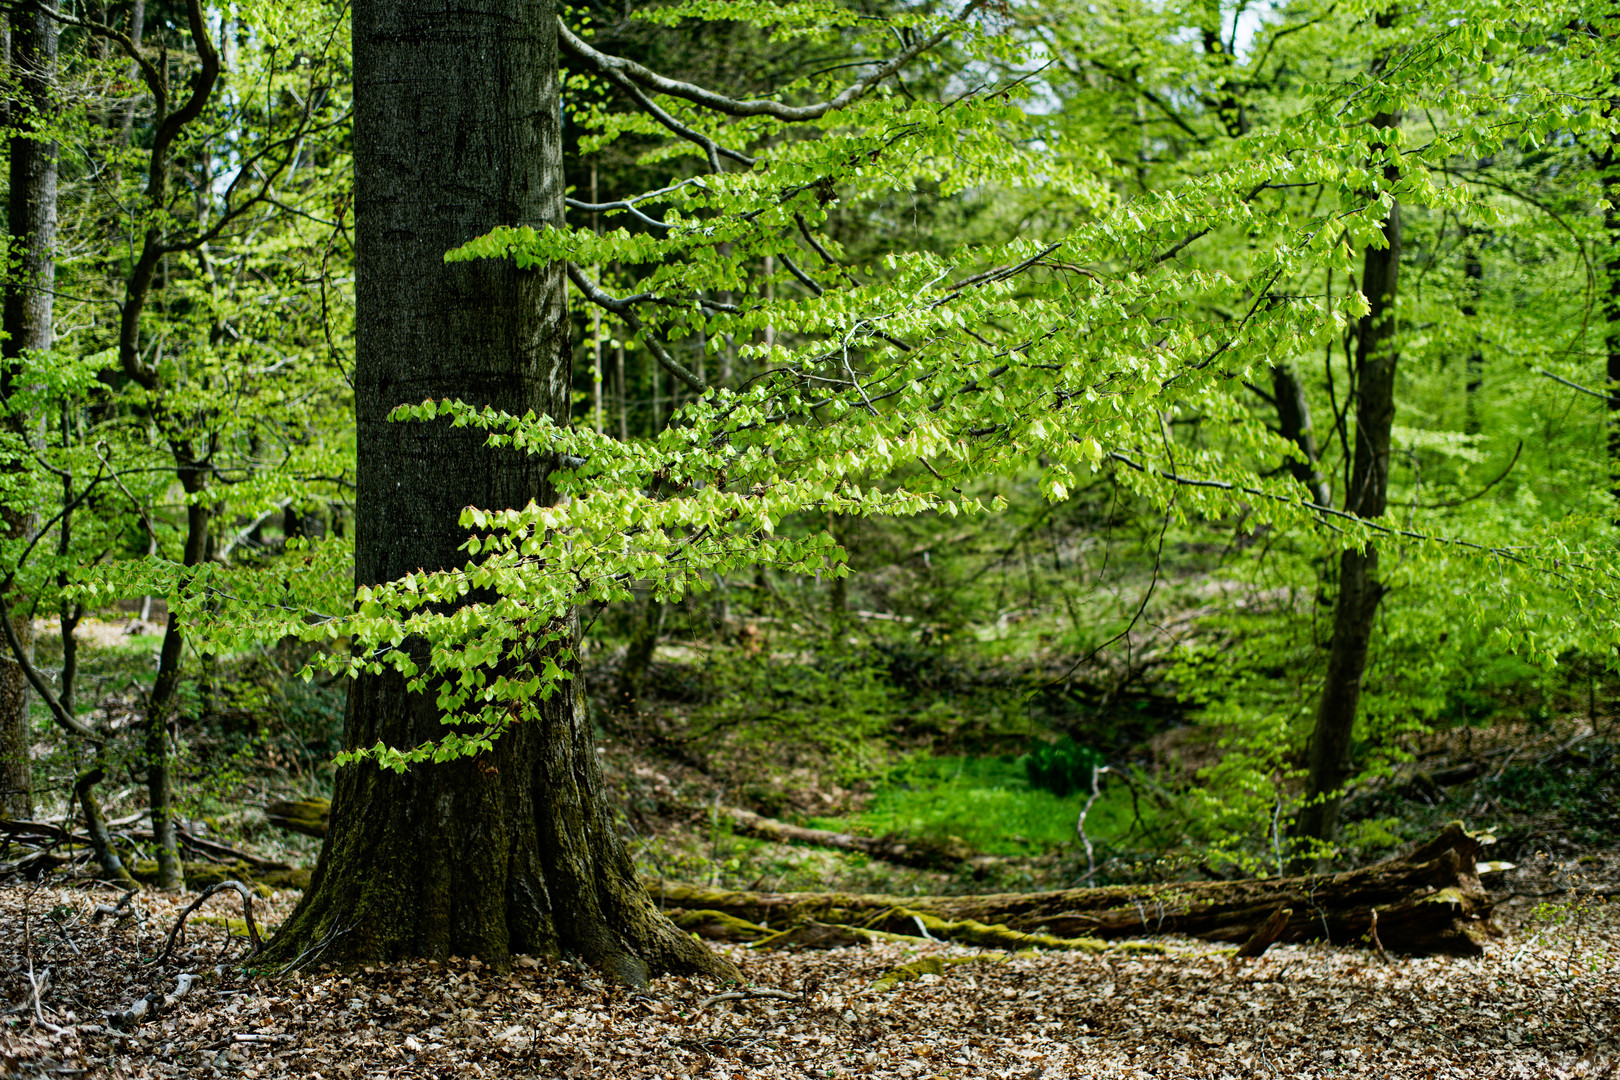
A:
456	132
1294	424
1474	367
161	705
838	588
1329	760
28	327
645	631
1610	166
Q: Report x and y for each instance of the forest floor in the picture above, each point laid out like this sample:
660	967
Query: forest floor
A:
1543	1001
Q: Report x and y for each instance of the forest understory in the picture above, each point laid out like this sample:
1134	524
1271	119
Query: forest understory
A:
1540	1001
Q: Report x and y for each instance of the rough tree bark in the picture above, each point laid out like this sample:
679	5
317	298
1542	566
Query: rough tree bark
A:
456	131
28	328
1360	590
1429	900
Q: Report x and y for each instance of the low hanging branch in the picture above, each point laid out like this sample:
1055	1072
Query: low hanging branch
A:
1427	901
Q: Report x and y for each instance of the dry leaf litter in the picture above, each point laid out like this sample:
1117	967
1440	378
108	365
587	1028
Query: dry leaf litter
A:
1542	1002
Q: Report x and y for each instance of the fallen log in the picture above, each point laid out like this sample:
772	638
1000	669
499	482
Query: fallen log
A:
924	854
1429	900
307	816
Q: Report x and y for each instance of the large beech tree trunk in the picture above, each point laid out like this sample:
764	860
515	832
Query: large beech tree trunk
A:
1356	607
456	132
28	326
1427	901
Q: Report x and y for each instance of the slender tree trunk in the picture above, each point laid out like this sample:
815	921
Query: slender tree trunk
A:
95	822
1294	424
456	131
638	656
1610	165
838	589
160	709
135	28
28	327
1474	366
1329	760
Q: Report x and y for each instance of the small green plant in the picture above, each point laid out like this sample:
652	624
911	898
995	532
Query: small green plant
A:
1562	925
1063	767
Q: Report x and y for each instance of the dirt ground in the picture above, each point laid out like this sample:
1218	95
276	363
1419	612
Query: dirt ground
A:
1543	1001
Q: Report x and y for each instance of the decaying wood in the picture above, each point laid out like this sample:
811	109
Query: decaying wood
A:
1428	901
225	852
307	816
152	1005
926	854
1270	930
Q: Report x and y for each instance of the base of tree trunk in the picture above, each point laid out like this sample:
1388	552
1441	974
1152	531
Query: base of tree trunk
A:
1427	901
512	853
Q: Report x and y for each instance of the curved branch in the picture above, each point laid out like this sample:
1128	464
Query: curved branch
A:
617	68
19	654
625	309
1449	503
247	911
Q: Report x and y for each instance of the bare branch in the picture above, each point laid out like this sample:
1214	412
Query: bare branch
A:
19	656
618	68
625	309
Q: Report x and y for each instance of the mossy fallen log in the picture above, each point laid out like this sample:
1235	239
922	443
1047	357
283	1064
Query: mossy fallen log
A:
1429	900
913	923
903	851
307	816
718	926
200	875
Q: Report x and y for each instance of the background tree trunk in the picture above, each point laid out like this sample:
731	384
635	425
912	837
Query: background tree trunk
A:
638	656
28	327
1609	163
1294	424
1359	587
456	132
161	705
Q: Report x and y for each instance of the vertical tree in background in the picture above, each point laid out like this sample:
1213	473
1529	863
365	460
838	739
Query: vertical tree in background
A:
28	328
1329	760
513	851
